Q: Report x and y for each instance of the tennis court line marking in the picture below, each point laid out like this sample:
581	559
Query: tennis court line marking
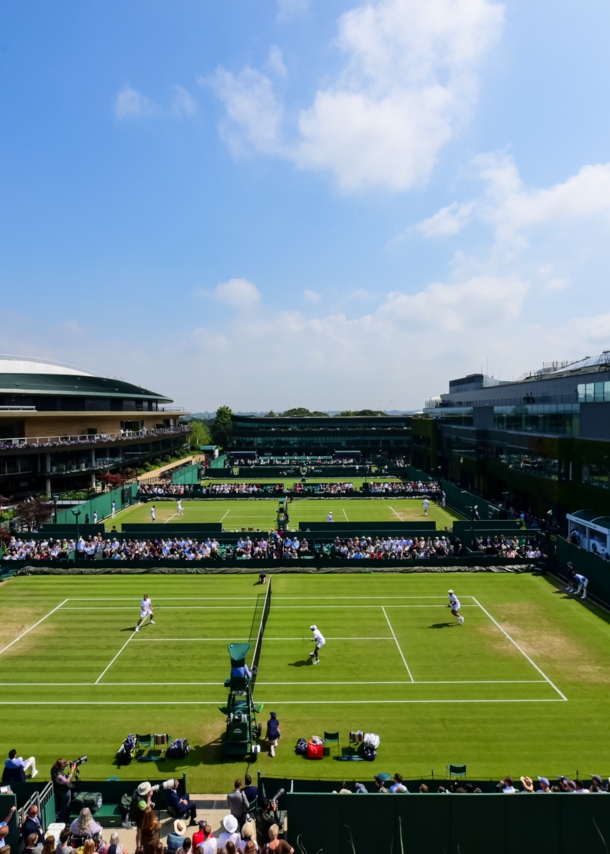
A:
404	660
345	514
115	658
270	702
302	684
227	513
397	514
27	631
523	653
247	640
247	608
136	599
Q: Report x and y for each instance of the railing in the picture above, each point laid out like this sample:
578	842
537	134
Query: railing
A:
87	439
17	409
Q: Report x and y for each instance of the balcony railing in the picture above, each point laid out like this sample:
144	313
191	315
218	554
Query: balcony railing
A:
97	438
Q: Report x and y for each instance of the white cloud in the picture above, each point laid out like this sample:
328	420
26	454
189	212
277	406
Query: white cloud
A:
514	210
238	293
275	61
131	104
287	10
409	82
183	104
253	114
449	220
311	296
557	284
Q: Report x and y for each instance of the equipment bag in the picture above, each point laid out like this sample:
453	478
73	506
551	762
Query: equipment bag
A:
371	740
126	750
301	747
315	751
93	800
178	749
369	754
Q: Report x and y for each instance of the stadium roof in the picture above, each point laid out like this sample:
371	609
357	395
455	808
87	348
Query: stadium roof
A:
21	375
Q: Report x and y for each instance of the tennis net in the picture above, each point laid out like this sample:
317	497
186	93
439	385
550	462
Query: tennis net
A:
261	632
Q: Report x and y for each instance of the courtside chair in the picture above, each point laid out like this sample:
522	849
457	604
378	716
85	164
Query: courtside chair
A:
332	738
143	742
456	770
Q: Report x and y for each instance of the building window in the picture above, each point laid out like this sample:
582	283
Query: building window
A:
531	464
596	475
593	392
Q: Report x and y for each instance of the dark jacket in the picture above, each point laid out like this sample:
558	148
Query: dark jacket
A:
31	826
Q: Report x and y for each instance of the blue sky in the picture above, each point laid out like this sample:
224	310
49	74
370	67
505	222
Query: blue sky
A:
292	202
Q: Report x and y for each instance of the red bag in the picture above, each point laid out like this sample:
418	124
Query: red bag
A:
315	751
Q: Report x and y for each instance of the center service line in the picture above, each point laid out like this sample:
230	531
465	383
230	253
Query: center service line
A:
398	645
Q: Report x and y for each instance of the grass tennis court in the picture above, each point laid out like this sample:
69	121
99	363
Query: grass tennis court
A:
520	687
261	513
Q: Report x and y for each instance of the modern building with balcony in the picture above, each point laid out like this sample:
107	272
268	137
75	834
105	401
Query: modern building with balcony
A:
60	426
373	436
540	443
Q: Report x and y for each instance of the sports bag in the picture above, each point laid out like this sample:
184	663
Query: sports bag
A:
315	751
369	754
301	747
178	749
93	800
371	740
126	750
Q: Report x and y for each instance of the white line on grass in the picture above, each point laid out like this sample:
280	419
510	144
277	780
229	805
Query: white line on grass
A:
170	517
397	644
136	599
302	684
248	608
270	702
345	514
514	642
23	634
397	514
242	640
227	513
115	658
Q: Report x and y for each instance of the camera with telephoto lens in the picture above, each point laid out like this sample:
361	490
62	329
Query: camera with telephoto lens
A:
80	761
278	795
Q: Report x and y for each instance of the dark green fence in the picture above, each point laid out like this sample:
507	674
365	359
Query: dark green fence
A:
102	504
448	824
172	529
593	567
187	474
370	527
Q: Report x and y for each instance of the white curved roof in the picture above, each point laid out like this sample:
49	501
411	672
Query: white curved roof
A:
28	365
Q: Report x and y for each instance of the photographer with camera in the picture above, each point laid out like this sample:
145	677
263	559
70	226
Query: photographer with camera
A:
140	800
62	787
268	816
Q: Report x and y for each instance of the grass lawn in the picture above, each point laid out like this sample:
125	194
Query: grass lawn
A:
521	687
261	513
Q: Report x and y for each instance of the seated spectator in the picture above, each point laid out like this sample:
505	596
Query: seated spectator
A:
48	846
31	824
210	843
175	840
398	785
507	786
281	846
16	766
229	832
115	847
528	785
545	788
424	789
199	835
181	806
580	789
248	833
186	846
84	826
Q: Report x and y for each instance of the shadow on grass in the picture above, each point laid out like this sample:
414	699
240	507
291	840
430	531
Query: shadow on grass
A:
300	663
559	585
443	625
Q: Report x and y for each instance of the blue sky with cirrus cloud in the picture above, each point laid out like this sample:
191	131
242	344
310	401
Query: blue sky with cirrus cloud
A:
334	204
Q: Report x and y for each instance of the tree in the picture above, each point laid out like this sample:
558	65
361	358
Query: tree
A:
300	411
34	513
112	481
223	423
350	413
200	434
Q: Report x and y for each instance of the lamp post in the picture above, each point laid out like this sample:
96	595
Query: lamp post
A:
76	514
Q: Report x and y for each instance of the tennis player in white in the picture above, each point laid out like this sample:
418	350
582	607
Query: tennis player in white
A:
319	640
179	511
329	518
152	513
146	610
454	604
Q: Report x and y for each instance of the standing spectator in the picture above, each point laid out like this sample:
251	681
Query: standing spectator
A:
31	824
62	787
248	832
150	831
280	846
15	768
229	833
95	517
250	791
269	815
31	845
140	800
181	806
113	509
238	803
63	847
4	826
